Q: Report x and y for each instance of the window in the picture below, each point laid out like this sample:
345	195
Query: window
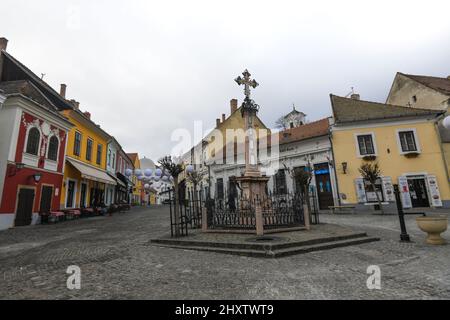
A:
280	182
89	150
70	193
53	145
220	192
365	144
77	144
407	141
99	153
114	161
34	137
109	157
414	99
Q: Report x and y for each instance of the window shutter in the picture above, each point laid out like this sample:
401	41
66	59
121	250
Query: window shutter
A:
435	196
360	190
404	192
388	189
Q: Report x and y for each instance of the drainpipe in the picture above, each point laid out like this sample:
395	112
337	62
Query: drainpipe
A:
436	127
334	168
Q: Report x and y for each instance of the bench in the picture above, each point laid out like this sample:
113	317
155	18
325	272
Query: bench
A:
341	208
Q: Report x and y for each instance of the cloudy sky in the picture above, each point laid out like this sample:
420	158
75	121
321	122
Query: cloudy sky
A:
145	68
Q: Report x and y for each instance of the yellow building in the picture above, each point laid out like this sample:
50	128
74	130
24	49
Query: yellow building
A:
85	174
220	149
403	141
418	91
138	189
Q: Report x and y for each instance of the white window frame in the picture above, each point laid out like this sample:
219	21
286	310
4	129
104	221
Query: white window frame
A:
26	140
416	140
74	200
374	141
48	144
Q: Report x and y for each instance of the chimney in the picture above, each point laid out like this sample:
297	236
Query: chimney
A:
355	96
223	117
62	91
76	104
233	105
87	114
217	122
3	44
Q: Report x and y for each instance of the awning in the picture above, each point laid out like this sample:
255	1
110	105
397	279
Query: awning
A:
91	173
119	182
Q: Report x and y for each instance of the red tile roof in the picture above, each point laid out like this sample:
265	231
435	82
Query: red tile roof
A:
310	130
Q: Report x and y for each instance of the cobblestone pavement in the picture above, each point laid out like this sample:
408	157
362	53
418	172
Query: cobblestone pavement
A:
117	262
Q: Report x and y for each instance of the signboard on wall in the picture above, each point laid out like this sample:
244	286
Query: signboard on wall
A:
435	196
404	192
360	190
388	189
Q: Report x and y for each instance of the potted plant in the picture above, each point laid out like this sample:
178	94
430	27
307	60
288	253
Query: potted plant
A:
433	225
372	173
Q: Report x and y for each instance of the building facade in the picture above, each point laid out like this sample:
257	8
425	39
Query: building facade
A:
138	190
33	138
85	175
403	141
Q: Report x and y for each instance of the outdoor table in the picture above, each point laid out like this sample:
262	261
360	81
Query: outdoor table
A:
56	216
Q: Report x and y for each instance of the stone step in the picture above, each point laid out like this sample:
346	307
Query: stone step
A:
274	253
257	246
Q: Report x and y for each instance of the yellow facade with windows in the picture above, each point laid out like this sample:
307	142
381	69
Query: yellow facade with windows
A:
85	167
417	165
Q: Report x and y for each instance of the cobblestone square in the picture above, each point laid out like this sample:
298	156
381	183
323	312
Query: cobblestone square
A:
117	262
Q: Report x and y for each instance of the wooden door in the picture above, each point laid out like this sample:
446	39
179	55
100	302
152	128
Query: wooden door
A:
46	199
323	186
24	207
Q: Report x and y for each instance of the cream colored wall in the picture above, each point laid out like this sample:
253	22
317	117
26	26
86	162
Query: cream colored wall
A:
403	89
392	164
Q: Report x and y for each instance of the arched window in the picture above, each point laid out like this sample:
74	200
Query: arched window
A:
34	138
53	145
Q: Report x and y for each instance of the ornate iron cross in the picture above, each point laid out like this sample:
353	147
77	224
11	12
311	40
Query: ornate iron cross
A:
247	82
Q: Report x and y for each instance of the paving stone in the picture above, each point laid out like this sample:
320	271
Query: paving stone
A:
117	263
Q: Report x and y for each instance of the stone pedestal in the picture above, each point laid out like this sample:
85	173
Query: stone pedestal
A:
253	187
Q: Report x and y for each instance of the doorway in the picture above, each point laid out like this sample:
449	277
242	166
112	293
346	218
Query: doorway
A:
24	207
418	192
323	186
46	199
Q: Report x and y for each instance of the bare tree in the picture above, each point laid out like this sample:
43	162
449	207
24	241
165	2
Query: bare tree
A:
280	124
174	169
371	172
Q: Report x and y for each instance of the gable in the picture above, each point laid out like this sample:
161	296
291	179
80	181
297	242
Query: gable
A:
408	91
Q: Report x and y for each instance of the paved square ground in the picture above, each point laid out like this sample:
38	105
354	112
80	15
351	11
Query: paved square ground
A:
117	262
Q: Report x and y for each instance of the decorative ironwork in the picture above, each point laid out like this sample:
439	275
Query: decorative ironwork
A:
248	105
178	227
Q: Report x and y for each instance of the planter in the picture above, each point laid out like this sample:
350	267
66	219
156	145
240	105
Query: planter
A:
411	154
433	225
369	158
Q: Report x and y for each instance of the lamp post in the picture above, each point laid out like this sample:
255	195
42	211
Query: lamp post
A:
404	236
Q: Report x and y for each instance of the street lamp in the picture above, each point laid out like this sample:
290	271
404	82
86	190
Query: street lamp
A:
37	177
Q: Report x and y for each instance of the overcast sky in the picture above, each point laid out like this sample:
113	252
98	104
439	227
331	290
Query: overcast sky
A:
145	68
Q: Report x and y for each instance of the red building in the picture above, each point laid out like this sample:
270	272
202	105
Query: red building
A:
33	138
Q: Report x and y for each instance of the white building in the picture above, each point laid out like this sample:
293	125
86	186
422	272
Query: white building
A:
301	147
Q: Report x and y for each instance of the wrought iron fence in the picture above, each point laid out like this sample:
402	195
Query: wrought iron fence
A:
283	210
178	227
233	214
